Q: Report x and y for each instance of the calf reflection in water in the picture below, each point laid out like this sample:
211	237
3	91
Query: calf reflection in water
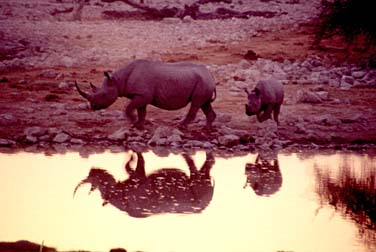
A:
264	176
168	190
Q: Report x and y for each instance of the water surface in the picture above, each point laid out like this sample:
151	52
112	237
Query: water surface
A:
282	202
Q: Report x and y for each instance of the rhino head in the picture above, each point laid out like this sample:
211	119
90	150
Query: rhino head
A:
254	102
103	97
101	180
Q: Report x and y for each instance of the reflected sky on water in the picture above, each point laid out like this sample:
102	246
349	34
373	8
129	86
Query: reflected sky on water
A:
285	202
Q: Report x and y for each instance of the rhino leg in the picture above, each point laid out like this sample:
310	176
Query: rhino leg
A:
190	116
266	114
139	103
141	112
190	163
140	168
209	113
129	112
276	110
208	164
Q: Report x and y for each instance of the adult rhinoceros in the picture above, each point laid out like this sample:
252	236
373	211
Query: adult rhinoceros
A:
167	190
168	86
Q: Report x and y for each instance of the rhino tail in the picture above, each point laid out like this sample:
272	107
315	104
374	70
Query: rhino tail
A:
214	95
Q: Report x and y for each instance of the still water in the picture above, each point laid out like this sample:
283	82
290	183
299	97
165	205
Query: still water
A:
282	202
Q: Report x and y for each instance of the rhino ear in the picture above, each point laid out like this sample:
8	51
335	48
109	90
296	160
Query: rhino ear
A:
107	75
256	91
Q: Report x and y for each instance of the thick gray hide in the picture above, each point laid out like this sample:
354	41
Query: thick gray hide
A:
168	86
265	98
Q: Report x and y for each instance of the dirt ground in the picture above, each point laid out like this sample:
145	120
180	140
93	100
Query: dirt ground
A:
36	100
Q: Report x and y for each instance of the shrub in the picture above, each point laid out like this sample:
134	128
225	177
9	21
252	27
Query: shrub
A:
348	18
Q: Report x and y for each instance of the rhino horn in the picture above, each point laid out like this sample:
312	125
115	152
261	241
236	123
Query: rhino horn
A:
107	75
246	90
82	93
93	87
85	181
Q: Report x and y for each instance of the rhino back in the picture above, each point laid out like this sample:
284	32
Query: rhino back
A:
168	85
166	191
271	91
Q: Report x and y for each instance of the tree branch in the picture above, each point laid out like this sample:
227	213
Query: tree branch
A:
194	11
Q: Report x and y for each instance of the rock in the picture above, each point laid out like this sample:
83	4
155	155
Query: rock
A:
171	20
111	113
327	120
236	93
192	144
54	131
4	80
242	134
229	140
251	55
371	75
35	131
157	142
207	145
318	88
120	134
84	105
358	74
31	139
6	142
118	250
7	119
61	138
244	64
45	138
353	119
174	139
59	112
188	19
29	110
67	61
347	80
345	86
135	139
304	96
324	95
63	85
360	84
164	135
240	85
334	83
223	117
50	74
319	137
371	83
300	128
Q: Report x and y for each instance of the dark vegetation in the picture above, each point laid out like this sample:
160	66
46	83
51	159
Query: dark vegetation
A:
353	197
351	19
23	246
153	13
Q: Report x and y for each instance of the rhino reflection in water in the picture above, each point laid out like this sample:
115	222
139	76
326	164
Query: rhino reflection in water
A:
168	190
264	176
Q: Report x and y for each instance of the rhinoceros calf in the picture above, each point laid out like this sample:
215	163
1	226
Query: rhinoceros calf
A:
265	98
168	86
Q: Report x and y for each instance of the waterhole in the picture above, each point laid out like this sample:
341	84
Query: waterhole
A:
268	202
